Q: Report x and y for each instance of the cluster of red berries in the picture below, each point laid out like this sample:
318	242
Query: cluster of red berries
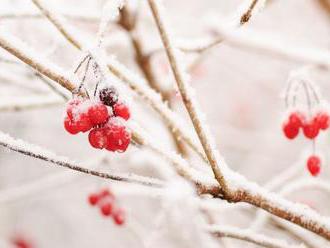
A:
105	200
311	127
106	125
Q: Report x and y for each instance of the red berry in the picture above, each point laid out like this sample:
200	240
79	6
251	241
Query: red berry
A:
106	193
19	242
83	122
71	107
70	126
311	129
97	138
106	208
93	199
121	110
290	131
322	119
296	119
119	137
98	114
314	165
119	216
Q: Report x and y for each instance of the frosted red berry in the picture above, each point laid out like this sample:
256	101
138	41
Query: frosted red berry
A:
108	96
98	114
119	216
322	119
106	193
83	122
119	137
311	129
97	138
70	126
121	110
106	208
296	119
314	165
290	131
72	107
93	199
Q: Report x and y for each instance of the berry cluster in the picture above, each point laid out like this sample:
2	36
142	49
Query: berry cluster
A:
310	127
105	200
106	125
311	121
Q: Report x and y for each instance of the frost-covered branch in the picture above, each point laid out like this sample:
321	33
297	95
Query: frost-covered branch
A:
260	43
248	236
187	96
43	154
28	102
17	48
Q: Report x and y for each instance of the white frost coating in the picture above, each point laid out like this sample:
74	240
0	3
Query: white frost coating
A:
263	43
306	183
249	236
38	59
180	223
306	214
28	102
27	148
110	12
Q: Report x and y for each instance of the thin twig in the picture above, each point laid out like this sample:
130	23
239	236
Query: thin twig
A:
42	154
252	40
189	102
129	22
26	103
248	236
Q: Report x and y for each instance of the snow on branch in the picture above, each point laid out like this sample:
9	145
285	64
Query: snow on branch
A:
188	96
261	43
48	156
27	102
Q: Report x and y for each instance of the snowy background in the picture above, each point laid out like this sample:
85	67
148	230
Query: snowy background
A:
239	91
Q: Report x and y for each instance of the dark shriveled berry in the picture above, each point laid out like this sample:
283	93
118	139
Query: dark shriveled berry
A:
109	96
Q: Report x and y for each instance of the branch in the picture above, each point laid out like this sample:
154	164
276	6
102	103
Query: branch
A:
22	52
258	42
43	154
248	236
188	100
128	21
24	103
